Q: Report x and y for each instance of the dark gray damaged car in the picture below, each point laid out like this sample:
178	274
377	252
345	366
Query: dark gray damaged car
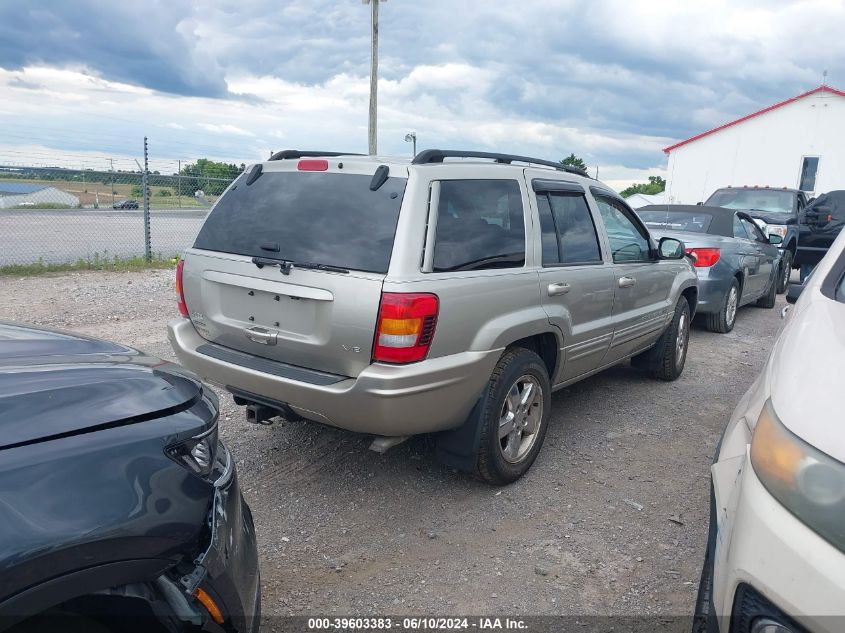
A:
119	506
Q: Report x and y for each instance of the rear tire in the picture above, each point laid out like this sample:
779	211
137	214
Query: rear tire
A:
723	321
768	299
665	361
784	271
514	416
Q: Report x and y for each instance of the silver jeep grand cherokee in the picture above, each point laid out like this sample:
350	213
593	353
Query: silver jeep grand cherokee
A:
447	297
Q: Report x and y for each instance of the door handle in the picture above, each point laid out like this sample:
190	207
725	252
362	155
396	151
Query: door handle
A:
261	335
558	289
627	282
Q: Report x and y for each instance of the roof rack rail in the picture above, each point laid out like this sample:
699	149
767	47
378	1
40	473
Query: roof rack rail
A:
295	153
428	156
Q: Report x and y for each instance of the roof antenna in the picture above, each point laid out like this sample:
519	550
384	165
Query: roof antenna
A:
824	77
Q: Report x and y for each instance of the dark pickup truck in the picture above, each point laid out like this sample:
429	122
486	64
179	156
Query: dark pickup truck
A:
776	211
818	226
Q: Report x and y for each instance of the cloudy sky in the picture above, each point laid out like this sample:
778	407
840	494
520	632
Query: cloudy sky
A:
612	81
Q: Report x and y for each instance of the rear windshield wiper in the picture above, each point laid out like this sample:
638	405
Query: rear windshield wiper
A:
285	265
326	267
509	258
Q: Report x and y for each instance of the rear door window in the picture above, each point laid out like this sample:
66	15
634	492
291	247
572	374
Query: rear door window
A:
568	233
480	225
315	218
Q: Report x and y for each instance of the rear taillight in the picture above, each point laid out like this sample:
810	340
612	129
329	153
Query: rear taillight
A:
406	323
704	257
180	292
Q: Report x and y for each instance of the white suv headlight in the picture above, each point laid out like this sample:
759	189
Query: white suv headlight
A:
806	481
777	229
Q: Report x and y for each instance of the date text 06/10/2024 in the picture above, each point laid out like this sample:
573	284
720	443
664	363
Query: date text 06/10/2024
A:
415	624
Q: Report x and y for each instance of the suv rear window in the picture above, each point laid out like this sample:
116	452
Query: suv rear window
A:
313	218
480	225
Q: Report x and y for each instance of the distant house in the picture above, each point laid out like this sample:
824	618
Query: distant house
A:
19	194
797	143
637	200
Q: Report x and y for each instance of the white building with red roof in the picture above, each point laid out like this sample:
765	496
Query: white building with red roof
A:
798	143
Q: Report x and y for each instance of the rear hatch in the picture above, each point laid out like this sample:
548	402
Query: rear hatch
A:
290	267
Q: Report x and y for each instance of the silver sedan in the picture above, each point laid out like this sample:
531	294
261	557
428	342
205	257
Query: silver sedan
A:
735	262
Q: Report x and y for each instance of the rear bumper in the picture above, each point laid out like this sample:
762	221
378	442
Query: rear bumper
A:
711	291
433	395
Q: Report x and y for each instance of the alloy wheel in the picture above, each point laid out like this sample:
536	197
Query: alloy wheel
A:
683	338
520	419
730	310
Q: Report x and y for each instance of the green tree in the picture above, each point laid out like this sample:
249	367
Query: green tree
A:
209	176
655	184
574	161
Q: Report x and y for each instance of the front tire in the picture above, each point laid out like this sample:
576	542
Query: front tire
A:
723	321
514	415
785	271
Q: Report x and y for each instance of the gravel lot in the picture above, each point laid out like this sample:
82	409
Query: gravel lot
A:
611	520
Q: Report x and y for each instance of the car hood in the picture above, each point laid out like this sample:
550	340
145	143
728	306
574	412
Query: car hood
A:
772	218
55	384
808	374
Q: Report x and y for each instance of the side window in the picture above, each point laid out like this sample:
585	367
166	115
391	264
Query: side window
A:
627	242
753	231
480	225
739	230
809	168
569	235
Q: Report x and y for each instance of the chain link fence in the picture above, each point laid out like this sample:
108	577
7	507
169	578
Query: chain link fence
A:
73	216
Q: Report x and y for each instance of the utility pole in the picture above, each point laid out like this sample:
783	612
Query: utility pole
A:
179	182
372	134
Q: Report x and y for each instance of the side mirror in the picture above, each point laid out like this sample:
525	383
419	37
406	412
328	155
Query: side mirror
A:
818	216
793	292
775	239
670	248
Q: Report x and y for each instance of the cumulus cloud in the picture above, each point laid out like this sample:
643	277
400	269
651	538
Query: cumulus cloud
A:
225	128
154	44
612	81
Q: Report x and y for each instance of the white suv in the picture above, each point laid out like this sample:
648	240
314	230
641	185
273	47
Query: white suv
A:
776	553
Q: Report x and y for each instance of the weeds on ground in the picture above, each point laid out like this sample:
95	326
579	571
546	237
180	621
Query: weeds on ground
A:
94	262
